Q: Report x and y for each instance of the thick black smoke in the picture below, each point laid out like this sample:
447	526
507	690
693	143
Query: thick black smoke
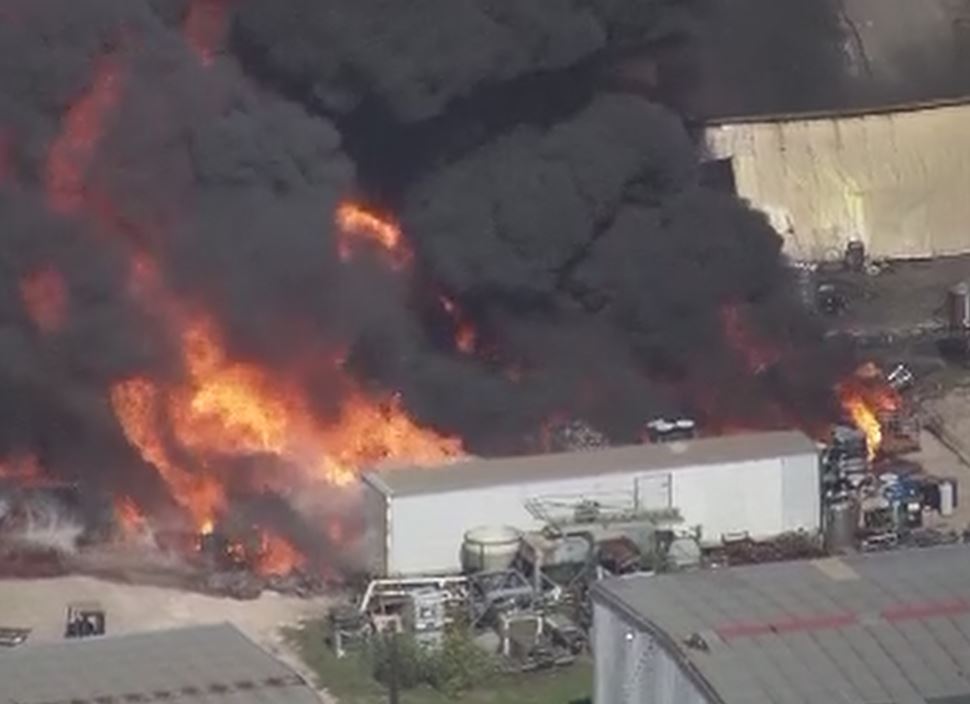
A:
577	239
416	57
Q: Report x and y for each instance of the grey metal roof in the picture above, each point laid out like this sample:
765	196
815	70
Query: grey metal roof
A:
476	473
886	628
216	664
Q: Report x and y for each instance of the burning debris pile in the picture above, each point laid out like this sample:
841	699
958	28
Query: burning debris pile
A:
208	319
873	404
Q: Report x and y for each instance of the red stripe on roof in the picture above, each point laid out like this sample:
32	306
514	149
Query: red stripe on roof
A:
925	609
793	624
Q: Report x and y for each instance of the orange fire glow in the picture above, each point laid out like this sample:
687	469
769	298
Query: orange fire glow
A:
72	152
205	28
130	518
44	296
864	397
277	556
21	468
758	355
466	337
358	227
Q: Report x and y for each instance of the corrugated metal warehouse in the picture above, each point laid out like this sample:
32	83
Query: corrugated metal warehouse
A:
216	664
840	120
883	628
896	180
761	484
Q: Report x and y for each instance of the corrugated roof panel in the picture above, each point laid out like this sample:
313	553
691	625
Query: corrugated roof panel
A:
772	682
477	472
890	627
798	679
868	687
216	664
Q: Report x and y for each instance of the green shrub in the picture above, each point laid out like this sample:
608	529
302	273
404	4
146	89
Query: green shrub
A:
460	664
457	666
413	664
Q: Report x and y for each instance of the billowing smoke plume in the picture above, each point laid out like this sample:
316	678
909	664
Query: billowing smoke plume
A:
414	58
159	159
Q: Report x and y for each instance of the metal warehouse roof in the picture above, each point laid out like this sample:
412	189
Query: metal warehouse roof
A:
885	628
216	664
477	473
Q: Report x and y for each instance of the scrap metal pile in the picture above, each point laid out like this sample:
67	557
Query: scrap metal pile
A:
875	495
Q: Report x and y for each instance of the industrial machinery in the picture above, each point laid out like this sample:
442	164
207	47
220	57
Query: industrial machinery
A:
494	593
85	619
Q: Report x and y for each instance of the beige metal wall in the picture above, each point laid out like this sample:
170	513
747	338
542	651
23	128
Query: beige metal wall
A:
898	181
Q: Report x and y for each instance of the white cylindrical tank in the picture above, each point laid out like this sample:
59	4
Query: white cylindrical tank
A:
490	548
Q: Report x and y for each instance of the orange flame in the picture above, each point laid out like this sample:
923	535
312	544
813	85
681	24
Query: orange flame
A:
865	396
137	406
73	150
44	295
357	227
230	408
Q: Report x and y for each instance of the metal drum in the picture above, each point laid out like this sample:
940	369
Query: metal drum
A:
855	256
958	307
841	525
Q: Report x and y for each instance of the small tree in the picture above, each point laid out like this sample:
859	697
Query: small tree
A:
412	661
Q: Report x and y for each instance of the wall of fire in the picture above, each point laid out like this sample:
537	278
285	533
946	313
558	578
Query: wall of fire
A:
897	181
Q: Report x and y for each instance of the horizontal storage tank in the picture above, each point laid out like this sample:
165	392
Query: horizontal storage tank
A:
760	485
490	548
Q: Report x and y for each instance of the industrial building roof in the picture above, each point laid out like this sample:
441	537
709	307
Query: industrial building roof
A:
477	472
885	628
772	57
215	664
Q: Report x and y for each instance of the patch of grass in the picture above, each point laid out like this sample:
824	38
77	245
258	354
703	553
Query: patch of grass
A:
351	681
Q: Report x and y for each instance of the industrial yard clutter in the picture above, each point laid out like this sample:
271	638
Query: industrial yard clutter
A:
757	486
486	565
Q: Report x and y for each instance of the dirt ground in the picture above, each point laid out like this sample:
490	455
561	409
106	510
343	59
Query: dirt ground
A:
41	606
949	454
903	297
